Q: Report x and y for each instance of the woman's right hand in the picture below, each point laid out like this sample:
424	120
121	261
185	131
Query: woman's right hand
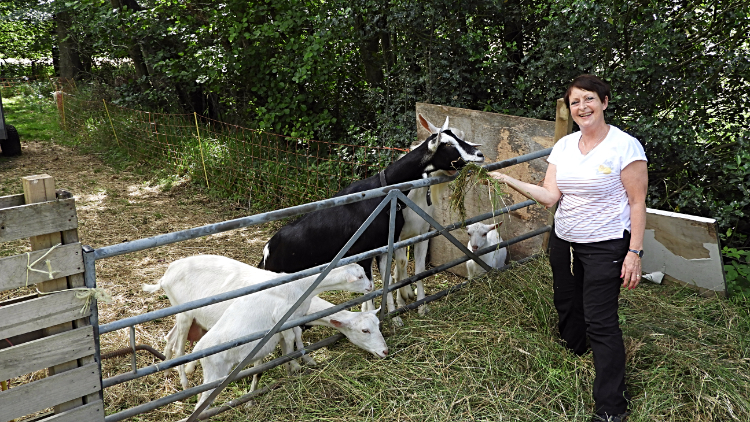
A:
547	195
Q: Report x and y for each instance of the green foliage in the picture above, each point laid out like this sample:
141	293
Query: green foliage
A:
352	72
737	271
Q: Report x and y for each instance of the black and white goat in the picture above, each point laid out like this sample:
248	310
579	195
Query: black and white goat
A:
414	225
317	237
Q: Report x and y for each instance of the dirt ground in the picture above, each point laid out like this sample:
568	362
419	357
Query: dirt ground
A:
114	207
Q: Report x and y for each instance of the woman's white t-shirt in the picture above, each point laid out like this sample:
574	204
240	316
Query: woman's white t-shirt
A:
594	205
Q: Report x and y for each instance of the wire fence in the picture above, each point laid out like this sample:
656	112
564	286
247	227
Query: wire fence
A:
18	81
265	170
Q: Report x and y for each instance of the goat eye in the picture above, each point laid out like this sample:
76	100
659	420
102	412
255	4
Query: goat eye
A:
366	331
484	235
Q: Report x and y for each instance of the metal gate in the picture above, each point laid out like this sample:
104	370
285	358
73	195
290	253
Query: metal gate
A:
391	194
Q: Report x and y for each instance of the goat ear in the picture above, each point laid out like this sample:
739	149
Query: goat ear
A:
336	323
427	125
434	144
375	312
445	125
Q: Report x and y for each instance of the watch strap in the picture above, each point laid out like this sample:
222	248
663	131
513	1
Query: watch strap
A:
637	252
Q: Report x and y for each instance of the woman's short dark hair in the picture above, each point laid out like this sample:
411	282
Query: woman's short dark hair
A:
588	83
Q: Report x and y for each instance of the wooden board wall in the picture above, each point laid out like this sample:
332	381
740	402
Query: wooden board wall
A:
50	329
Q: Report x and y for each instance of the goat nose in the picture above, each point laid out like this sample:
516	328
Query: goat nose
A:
385	352
479	154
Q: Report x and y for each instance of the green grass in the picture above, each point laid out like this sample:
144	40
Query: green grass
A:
490	353
33	113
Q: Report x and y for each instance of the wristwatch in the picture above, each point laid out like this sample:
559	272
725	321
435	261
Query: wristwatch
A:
639	253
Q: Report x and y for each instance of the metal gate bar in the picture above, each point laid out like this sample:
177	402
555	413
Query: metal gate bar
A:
390	197
173	310
168	238
414	305
162	366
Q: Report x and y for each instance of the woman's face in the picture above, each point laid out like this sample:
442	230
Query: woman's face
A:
586	108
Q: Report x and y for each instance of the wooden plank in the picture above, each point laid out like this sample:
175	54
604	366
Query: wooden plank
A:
33	219
42	312
11	201
92	412
45	352
65	260
28	398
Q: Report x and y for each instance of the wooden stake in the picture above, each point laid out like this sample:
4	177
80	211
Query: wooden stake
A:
200	146
62	94
110	122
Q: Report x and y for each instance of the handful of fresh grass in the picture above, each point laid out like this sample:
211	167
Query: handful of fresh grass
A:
470	176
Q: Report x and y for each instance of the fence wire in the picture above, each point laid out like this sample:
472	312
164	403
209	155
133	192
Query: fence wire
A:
260	169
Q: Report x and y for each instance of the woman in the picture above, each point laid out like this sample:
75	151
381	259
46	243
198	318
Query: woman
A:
600	177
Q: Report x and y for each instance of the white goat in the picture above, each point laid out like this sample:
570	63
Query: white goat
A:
414	225
361	328
261	311
481	236
202	276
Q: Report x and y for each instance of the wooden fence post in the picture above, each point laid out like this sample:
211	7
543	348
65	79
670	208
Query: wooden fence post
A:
563	126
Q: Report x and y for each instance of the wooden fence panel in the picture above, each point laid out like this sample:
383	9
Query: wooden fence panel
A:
87	413
46	352
31	220
48	392
65	260
40	312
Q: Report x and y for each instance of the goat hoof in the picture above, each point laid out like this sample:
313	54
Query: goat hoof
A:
397	321
423	310
309	361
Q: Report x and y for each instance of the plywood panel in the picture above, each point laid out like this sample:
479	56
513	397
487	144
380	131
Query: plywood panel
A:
42	312
92	412
65	260
47	392
685	248
45	352
502	137
35	219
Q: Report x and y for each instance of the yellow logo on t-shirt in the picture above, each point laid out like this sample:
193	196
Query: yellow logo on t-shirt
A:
604	169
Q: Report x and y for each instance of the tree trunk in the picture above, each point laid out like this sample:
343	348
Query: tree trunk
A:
70	61
369	50
134	48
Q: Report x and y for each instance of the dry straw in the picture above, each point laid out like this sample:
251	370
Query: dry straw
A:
469	177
